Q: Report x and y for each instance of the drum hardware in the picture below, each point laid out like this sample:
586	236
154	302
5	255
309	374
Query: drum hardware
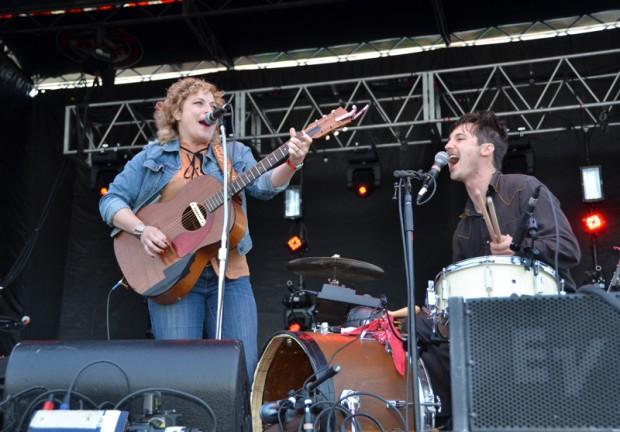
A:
334	301
400	404
439	318
300	308
488	280
335	268
615	279
351	401
431	297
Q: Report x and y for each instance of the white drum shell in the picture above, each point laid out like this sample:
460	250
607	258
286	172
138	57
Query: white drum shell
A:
493	276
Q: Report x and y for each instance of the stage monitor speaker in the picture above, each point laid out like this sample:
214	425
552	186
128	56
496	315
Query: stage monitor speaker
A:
541	363
213	371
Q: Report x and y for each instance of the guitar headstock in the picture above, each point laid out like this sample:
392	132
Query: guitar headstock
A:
333	121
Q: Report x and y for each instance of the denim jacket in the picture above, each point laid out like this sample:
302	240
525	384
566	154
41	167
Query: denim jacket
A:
147	173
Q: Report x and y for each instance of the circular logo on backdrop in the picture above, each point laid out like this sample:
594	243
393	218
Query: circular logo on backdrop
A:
110	47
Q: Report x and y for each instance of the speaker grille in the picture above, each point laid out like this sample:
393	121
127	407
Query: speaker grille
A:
548	362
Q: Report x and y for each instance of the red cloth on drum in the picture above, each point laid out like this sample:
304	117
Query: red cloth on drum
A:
384	331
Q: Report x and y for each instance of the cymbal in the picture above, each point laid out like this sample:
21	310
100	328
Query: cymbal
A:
335	268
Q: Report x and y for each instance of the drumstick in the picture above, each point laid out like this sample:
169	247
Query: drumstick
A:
493	216
485	216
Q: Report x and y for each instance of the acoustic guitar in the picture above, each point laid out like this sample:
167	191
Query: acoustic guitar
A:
193	221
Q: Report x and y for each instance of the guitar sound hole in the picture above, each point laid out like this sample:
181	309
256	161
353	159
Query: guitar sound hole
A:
189	220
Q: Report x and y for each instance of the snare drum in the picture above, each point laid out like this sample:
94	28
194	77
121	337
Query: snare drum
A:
493	276
289	359
488	276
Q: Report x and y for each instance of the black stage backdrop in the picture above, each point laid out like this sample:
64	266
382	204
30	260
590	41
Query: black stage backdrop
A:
71	269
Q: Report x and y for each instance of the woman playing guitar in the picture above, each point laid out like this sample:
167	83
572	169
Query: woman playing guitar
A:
185	160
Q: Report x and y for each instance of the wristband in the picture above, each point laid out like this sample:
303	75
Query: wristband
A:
292	166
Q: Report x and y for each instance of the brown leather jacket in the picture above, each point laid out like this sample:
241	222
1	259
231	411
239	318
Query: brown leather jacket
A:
511	193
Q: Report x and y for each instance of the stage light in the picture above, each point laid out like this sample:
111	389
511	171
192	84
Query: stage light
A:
364	173
519	158
362	190
363	180
299	312
297	241
591	183
294	243
593	223
293	203
102	177
105	165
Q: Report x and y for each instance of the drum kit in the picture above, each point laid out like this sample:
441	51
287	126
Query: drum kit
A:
290	359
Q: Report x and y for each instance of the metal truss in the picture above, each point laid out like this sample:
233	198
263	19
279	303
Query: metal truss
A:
606	20
40	18
544	95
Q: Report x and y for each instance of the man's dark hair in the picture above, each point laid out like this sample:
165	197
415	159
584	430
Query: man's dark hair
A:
487	128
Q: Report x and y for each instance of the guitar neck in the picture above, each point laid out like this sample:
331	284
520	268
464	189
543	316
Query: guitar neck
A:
244	179
271	160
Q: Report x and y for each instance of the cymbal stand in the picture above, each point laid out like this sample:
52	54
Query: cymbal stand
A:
404	183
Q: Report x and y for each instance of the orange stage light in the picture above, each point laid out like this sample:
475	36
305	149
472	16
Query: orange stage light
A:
362	190
294	327
294	243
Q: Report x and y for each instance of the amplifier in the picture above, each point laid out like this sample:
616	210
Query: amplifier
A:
538	363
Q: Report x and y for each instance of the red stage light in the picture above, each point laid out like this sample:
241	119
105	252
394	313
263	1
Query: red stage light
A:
294	327
593	223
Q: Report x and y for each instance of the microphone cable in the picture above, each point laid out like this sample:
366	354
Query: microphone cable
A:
429	195
121	282
172	392
67	400
556	253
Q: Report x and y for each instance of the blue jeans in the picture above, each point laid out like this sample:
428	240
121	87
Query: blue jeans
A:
195	315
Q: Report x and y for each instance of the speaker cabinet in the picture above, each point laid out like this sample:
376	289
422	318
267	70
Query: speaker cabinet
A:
213	371
539	363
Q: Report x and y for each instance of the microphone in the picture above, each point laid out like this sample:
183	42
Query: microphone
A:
281	410
441	160
523	223
212	117
323	376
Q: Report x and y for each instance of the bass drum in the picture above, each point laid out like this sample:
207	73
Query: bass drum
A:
290	358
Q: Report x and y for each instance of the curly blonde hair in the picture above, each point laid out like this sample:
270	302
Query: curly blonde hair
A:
167	128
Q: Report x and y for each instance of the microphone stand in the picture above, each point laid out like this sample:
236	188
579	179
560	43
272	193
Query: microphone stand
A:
406	176
223	250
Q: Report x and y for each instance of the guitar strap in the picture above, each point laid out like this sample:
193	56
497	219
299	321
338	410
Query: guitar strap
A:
219	156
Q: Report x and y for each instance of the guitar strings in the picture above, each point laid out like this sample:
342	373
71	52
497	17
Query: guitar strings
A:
216	200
